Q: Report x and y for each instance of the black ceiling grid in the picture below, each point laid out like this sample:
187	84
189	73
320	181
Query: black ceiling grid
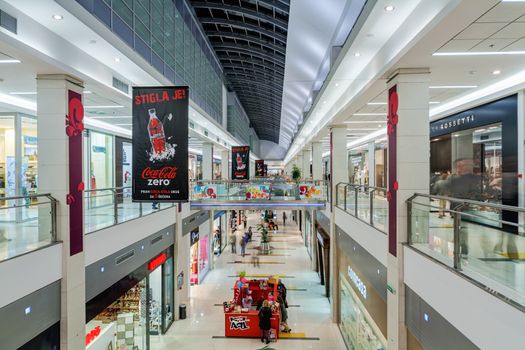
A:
249	37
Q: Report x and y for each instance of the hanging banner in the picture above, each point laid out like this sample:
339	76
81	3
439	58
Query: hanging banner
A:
160	144
240	162
265	170
258	192
259	167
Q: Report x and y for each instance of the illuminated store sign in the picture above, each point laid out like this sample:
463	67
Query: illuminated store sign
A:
457	121
357	282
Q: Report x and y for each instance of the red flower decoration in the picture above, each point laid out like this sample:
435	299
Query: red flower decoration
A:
70	199
74	121
396	185
80	186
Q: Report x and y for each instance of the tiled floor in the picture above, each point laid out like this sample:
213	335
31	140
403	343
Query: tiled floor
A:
205	320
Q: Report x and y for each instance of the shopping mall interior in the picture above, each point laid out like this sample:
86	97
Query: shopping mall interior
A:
262	174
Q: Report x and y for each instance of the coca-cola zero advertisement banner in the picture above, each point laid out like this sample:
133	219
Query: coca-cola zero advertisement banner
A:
160	144
240	162
259	167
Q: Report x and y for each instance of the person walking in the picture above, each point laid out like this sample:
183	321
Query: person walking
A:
245	220
284	218
233	242
244	241
265	313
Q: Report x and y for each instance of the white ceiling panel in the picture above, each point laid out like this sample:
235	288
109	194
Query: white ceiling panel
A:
504	12
480	30
459	45
492	45
516	46
515	30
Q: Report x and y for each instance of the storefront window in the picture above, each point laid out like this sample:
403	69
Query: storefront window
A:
216	169
204	248
29	156
101	167
217	235
7	156
155	301
381	165
168	280
359	331
358	166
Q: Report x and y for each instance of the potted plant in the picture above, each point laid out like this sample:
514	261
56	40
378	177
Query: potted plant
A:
265	239
296	177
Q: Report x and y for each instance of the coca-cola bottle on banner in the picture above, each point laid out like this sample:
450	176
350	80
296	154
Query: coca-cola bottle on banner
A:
156	132
239	162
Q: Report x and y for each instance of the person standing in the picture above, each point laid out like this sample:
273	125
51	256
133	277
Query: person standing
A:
245	220
265	314
284	218
244	241
233	242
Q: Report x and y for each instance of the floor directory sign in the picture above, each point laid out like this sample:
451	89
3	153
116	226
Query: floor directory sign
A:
240	161
160	144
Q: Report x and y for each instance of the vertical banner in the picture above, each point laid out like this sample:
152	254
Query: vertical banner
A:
160	144
74	128
393	104
265	170
240	163
259	167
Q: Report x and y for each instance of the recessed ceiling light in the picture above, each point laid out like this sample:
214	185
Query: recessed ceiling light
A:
58	17
434	102
370	114
357	54
378	125
389	8
117	59
496	72
10	61
22	93
336	84
87	92
377	103
479	53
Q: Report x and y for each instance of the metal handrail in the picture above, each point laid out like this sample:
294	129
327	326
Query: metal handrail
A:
469	201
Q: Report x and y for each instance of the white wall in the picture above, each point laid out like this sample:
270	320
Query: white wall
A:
487	321
271	150
27	273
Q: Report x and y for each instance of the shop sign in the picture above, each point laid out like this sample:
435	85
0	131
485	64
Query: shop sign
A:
160	144
240	159
92	334
156	262
194	238
357	282
99	149
451	123
239	323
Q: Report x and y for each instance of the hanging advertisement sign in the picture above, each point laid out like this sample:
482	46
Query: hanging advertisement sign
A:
265	170
240	159
126	168
160	144
204	192
259	167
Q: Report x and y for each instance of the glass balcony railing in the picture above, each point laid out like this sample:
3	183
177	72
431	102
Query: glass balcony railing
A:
111	206
257	191
26	223
482	241
366	203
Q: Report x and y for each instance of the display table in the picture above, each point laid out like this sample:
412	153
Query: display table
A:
246	324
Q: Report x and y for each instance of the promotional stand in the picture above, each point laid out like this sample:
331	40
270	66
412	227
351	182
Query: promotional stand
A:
244	323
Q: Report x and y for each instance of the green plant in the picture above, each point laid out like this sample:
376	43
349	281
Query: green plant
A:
264	233
296	173
242	274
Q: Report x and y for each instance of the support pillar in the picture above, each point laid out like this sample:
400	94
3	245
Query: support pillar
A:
252	169
408	164
307	154
207	161
299	163
60	162
317	161
225	165
371	164
339	173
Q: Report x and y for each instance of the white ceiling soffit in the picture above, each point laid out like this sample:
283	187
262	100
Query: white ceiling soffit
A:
314	27
383	39
70	46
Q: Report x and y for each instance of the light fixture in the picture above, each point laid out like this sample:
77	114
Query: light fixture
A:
117	59
58	17
336	84
22	93
479	53
389	8
496	72
453	87
512	0
363	121
377	103
124	124
87	92
10	61
108	106
370	114
434	102
357	54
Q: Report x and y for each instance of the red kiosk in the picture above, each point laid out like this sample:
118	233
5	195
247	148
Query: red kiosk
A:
240	322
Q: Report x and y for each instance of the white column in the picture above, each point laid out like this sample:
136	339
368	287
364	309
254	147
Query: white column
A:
317	161
307	154
339	159
182	260
408	171
207	161
54	177
371	164
252	169
225	165
211	254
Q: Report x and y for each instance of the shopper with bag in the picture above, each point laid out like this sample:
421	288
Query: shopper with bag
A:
265	314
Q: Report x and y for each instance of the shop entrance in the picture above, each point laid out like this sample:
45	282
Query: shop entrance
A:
134	312
323	259
199	256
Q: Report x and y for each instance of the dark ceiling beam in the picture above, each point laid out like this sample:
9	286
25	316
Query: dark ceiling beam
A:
252	75
257	84
244	49
252	67
228	57
276	4
243	25
239	10
249	38
268	95
257	101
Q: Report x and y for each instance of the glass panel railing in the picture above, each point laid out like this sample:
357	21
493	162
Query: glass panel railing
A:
26	223
111	206
258	190
470	237
365	203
